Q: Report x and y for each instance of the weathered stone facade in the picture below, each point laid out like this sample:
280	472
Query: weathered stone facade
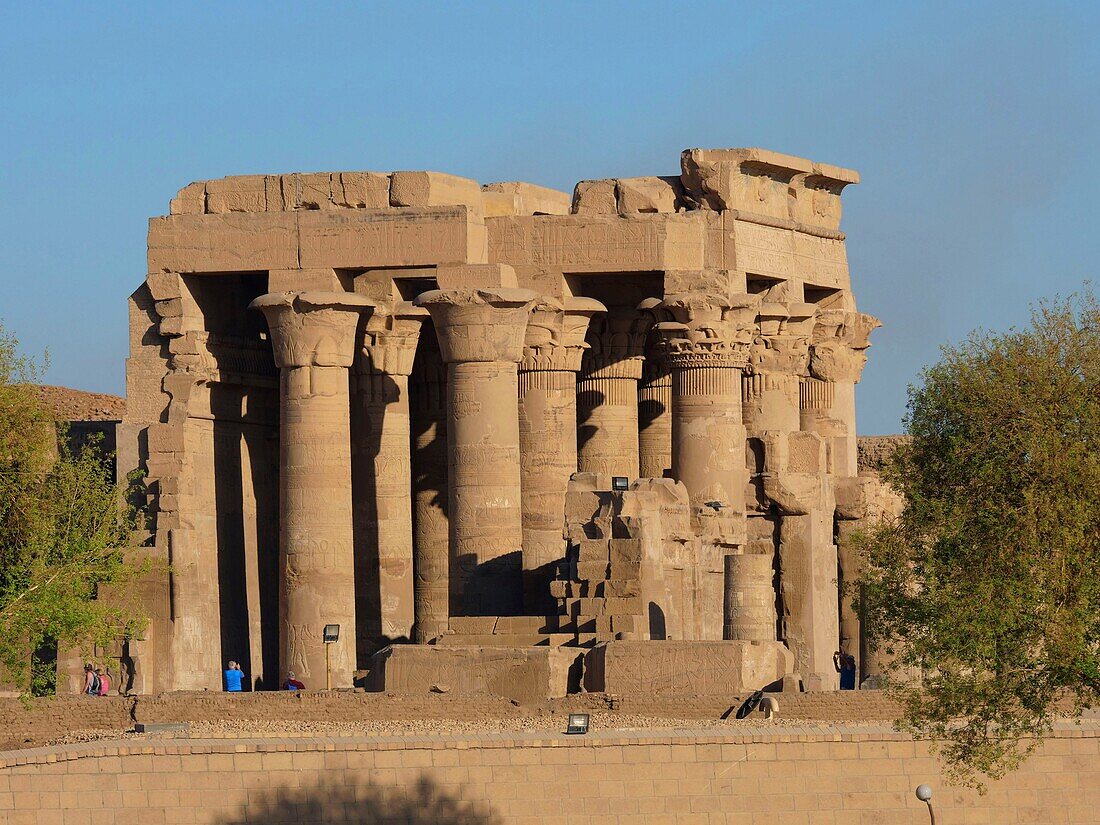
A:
398	403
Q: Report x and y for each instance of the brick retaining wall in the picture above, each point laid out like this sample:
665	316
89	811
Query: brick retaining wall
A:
800	776
48	719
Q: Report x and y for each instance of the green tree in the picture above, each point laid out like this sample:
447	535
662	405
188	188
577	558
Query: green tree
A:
985	593
64	527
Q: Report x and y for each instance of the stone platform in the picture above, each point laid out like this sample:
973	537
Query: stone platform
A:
670	668
531	675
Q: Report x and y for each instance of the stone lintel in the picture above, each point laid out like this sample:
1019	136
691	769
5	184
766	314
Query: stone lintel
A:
249	242
599	243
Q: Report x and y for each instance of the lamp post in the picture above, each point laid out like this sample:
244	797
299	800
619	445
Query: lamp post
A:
924	794
330	635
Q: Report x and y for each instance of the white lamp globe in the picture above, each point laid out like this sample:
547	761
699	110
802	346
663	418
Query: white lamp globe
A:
924	793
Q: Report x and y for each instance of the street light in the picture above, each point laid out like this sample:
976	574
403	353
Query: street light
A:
924	794
330	635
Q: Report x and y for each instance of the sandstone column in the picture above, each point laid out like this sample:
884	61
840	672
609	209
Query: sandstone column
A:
749	609
381	452
428	396
655	415
313	338
607	393
838	354
481	334
707	348
548	436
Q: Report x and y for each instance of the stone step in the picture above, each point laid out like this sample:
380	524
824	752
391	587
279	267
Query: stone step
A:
492	625
505	640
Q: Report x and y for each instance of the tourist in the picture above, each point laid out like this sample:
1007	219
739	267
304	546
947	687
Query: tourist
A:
233	678
845	664
104	681
91	681
292	683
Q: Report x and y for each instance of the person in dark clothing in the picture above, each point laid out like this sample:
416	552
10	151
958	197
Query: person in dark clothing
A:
845	664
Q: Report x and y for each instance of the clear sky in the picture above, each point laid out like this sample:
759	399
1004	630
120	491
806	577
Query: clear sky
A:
975	127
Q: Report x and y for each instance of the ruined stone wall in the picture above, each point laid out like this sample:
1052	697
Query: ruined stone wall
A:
641	325
819	774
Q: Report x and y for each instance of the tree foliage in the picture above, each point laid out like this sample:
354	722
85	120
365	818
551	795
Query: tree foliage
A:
64	527
985	593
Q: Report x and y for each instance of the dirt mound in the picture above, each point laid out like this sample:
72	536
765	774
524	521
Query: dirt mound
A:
77	405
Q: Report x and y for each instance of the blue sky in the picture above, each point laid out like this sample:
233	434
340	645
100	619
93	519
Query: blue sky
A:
974	125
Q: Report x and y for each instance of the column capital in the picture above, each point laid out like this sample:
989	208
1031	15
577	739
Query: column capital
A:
706	329
556	330
782	340
479	324
838	348
313	329
390	338
616	342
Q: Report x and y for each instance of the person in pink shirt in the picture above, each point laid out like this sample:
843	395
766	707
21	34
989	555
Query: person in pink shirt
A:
104	681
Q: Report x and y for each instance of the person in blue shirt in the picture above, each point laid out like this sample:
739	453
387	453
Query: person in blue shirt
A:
233	678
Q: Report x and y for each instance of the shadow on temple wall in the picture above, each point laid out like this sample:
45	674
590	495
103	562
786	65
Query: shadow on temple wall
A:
418	803
371	395
245	458
587	401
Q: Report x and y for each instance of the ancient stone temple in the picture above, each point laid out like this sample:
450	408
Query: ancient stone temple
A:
498	432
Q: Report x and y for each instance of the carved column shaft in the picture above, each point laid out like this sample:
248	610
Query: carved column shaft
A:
548	437
838	353
481	335
607	394
428	394
313	338
708	437
381	454
655	418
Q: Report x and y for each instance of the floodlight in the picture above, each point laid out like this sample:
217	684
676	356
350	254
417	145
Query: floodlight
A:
620	483
331	633
578	723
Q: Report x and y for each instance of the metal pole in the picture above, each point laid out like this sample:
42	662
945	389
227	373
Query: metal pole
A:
931	813
328	672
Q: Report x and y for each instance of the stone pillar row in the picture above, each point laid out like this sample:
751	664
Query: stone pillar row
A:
525	390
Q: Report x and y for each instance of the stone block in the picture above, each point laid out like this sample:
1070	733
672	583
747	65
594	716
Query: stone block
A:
240	193
599	243
755	181
521	198
309	191
526	675
646	195
589	570
382	238
434	189
359	190
593	550
234	242
622	587
595	197
668	668
191	200
472	624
